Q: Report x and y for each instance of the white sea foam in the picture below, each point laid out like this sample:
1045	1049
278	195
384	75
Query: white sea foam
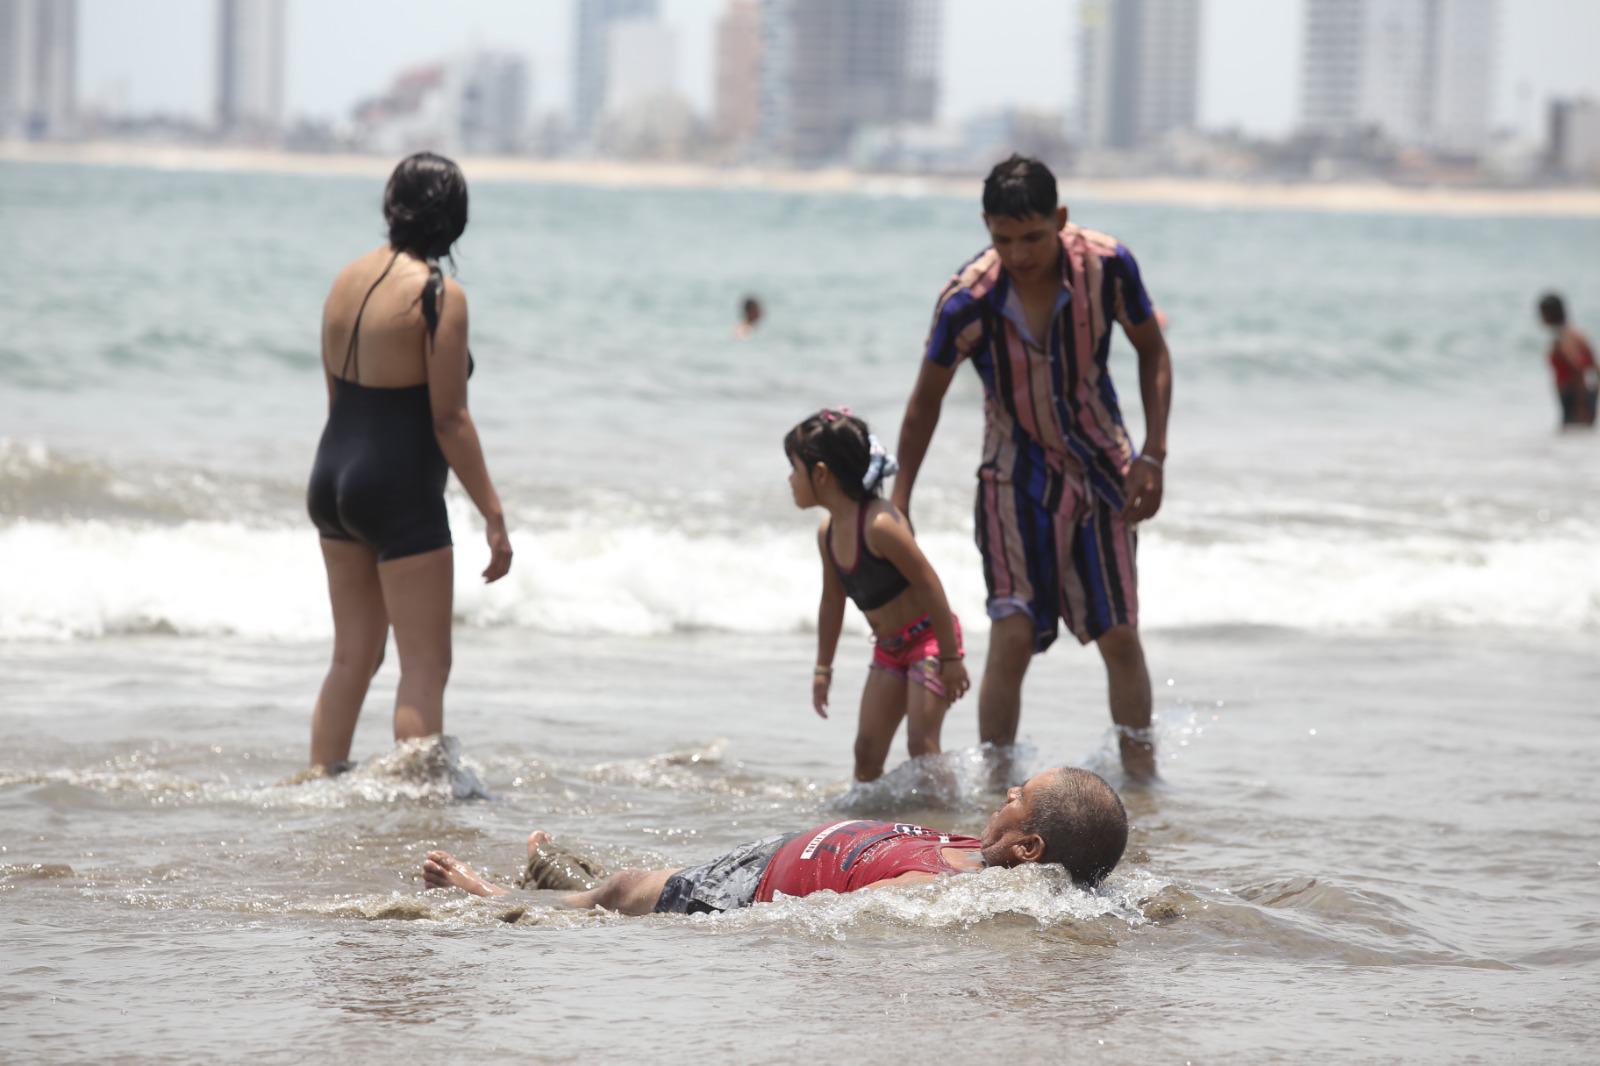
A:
1042	895
426	770
1038	897
85	579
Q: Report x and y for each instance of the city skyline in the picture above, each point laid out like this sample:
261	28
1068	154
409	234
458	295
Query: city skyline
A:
1249	63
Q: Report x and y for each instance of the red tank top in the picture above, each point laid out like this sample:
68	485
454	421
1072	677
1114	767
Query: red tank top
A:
845	856
1566	376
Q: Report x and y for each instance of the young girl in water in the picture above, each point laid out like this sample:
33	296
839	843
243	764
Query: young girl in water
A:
869	555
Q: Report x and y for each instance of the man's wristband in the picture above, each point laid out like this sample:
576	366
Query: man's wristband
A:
1152	460
824	671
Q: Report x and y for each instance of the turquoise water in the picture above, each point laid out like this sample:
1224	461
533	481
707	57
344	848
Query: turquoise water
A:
1371	602
1359	398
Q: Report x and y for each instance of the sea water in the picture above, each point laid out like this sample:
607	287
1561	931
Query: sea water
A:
1371	604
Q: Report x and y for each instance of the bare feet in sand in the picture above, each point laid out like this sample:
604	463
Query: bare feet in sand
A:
443	870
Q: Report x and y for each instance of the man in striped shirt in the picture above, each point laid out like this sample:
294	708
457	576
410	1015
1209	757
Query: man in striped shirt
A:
1060	488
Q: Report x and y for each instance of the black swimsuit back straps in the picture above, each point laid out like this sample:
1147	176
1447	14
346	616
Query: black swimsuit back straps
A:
352	354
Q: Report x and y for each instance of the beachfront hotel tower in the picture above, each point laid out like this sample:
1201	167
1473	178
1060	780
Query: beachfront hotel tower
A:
593	67
738	96
1461	64
832	69
38	68
1417	72
250	68
1138	70
641	64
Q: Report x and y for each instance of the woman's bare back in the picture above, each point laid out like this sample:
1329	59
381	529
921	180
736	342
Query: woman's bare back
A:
391	351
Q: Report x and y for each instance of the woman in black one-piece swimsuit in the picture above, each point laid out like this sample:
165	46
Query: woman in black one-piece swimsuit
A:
394	351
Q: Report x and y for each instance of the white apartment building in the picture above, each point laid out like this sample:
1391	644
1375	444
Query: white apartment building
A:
1419	72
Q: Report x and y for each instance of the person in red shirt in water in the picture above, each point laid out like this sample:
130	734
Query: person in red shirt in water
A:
1572	361
1066	816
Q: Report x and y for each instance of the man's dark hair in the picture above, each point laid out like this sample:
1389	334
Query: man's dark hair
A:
1082	822
1020	188
1552	310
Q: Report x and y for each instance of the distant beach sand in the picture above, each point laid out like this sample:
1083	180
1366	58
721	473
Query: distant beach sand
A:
1197	193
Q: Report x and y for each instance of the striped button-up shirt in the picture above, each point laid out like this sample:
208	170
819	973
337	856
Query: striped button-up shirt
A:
1050	411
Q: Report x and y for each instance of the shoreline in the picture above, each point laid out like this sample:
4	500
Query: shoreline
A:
1203	194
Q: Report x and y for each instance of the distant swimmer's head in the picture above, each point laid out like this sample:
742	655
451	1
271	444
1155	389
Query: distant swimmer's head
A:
1066	816
750	310
1552	310
425	205
834	451
1023	213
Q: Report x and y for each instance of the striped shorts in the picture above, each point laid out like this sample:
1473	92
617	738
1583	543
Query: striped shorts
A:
1074	563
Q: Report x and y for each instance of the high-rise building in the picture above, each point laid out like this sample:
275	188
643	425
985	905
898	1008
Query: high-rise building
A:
738	95
593	65
641	63
1331	64
1575	138
831	68
491	92
1419	72
1461	67
250	67
1138	70
38	68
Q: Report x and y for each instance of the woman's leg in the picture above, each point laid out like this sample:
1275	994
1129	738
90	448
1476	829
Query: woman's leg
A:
360	627
925	710
417	591
883	704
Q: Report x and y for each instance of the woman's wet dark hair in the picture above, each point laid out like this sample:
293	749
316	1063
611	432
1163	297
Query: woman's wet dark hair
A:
1552	309
425	204
1020	187
839	440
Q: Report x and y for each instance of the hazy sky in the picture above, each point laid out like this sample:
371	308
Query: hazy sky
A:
157	54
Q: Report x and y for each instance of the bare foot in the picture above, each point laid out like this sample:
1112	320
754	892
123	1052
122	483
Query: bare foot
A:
443	870
1138	760
536	840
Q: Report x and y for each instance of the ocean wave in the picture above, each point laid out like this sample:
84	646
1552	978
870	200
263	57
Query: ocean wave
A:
67	580
427	770
41	484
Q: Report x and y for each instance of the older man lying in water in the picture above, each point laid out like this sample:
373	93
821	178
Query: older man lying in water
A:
1066	816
